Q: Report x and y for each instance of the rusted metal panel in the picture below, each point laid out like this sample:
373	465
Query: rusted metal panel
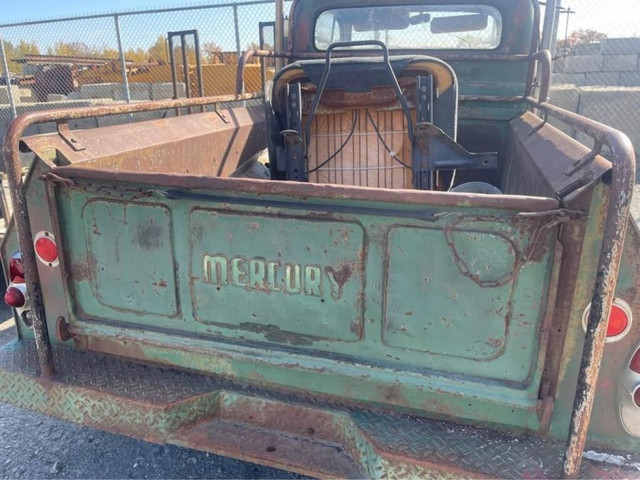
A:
214	143
544	154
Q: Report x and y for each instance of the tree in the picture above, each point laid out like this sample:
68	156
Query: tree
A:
19	51
137	55
158	51
579	37
74	49
211	53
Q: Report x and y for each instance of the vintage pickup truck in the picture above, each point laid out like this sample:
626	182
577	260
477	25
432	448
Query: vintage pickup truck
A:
425	277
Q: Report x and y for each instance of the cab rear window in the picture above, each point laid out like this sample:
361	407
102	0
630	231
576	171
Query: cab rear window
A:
437	27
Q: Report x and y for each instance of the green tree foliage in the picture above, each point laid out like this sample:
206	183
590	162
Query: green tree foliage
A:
578	37
211	53
18	51
158	51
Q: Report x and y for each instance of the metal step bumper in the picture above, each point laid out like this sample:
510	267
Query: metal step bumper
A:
312	437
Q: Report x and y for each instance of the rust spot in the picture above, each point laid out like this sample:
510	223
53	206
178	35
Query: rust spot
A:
340	277
150	236
393	395
273	333
356	327
82	271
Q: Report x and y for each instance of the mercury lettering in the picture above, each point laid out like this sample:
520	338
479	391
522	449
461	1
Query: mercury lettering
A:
271	276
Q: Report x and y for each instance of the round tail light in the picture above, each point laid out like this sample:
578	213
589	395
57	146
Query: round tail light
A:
16	269
14	297
620	320
46	248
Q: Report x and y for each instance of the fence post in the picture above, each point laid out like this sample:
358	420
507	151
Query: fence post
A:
235	23
123	63
7	78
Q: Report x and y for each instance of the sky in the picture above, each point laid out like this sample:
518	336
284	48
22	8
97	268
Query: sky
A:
16	11
614	17
138	31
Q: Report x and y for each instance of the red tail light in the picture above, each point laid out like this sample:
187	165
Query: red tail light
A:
16	269
46	248
634	364
620	320
14	297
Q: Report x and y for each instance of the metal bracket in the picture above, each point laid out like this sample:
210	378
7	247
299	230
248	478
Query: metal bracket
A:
68	136
545	119
585	160
294	153
433	150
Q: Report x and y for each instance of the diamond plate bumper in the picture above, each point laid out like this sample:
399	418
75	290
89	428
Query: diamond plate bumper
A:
312	437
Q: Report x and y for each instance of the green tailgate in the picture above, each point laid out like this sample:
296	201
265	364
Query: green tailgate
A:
439	298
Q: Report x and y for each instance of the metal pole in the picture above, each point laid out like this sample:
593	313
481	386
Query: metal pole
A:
279	32
554	34
235	23
123	63
196	40
263	65
549	20
566	28
7	78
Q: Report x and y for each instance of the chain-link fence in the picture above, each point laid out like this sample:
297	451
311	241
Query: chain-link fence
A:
126	57
597	63
129	56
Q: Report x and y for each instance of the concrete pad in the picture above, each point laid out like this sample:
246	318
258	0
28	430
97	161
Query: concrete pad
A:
558	65
617	107
164	91
4	94
584	64
613	46
621	63
137	92
56	97
630	79
586	49
602	79
98	90
568	78
567	97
